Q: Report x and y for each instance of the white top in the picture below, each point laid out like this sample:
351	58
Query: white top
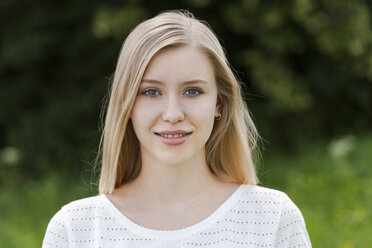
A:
252	216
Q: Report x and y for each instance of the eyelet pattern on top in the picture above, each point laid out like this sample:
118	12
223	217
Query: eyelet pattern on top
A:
253	217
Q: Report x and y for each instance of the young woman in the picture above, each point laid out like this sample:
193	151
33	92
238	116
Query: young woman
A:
177	167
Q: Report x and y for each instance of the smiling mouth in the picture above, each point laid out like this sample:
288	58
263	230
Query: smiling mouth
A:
172	136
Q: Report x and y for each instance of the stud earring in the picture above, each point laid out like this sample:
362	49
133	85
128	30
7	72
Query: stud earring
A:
218	117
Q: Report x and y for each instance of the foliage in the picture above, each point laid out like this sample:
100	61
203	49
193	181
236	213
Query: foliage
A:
311	61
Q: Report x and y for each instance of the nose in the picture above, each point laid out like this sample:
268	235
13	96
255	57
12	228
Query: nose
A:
172	112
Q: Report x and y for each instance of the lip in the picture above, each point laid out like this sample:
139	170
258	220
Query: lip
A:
174	141
172	132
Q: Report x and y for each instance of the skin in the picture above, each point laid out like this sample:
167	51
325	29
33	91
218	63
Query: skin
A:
178	92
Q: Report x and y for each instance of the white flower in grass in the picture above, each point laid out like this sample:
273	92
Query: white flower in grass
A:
342	146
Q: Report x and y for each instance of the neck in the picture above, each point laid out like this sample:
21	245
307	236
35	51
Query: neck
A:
160	182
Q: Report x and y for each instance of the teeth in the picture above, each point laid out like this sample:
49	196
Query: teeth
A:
178	135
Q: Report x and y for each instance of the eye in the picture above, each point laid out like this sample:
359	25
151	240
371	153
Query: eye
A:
193	92
150	92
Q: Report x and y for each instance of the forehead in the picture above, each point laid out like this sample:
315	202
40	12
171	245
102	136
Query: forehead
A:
183	63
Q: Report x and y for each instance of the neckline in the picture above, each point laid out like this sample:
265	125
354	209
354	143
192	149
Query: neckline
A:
177	233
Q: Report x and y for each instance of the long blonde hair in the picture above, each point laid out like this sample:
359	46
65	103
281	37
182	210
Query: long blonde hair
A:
234	136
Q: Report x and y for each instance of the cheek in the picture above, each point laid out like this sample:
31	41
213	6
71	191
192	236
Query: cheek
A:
203	115
142	117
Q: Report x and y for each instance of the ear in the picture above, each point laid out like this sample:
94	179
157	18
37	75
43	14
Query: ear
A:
219	105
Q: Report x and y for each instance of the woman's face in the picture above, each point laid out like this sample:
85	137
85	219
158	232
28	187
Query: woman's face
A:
174	110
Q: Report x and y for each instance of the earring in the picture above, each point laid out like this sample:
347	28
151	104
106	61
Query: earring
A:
218	117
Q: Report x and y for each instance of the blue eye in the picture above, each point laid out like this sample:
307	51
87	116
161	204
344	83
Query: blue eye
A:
193	92
150	92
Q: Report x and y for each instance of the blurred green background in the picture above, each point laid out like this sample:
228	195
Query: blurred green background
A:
307	72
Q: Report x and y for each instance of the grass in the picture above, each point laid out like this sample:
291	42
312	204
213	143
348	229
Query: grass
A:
26	208
330	182
332	185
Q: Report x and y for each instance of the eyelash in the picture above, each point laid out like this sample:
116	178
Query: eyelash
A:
145	92
197	89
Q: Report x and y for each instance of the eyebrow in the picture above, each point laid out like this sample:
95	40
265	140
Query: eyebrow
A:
194	81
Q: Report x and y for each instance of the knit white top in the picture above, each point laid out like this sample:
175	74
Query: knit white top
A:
252	216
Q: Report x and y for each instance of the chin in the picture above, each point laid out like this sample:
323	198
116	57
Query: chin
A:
174	158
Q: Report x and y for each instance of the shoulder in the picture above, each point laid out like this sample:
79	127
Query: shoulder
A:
255	194
268	204
85	204
273	206
260	190
65	222
81	209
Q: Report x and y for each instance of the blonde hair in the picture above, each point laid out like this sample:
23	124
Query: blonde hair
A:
234	136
